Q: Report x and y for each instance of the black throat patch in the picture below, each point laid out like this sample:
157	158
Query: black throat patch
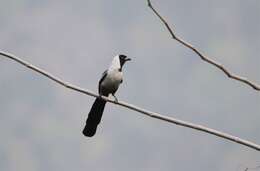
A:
122	59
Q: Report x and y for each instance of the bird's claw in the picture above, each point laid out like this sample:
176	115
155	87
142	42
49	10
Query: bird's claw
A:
116	100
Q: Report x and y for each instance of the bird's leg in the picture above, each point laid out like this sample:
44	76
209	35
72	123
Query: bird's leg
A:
116	100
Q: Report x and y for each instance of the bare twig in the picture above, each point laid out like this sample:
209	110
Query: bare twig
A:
135	108
246	168
253	168
202	56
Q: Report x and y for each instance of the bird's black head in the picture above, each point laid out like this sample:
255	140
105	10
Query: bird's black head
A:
123	59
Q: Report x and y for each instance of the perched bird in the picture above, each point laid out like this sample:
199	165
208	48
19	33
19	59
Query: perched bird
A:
108	84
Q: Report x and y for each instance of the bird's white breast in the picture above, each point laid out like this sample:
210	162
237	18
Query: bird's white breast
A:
112	80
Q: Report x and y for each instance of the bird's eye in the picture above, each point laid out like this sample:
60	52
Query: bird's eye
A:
122	56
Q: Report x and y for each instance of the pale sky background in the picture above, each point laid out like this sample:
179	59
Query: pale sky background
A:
41	122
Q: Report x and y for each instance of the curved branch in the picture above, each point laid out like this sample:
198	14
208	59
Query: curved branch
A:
203	57
252	168
135	108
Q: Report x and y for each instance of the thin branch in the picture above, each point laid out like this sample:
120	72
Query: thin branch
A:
135	108
253	168
246	168
202	56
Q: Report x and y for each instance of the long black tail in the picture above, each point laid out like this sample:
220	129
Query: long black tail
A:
94	117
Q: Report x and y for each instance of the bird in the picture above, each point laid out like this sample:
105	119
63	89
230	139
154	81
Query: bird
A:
108	84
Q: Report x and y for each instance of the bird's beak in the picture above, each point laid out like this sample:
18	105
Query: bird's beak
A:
128	59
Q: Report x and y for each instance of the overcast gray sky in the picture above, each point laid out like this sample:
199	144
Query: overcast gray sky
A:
41	122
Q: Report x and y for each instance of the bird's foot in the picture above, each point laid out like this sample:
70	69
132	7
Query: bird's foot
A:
116	100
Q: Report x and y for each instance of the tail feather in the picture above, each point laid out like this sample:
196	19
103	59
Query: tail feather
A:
94	117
